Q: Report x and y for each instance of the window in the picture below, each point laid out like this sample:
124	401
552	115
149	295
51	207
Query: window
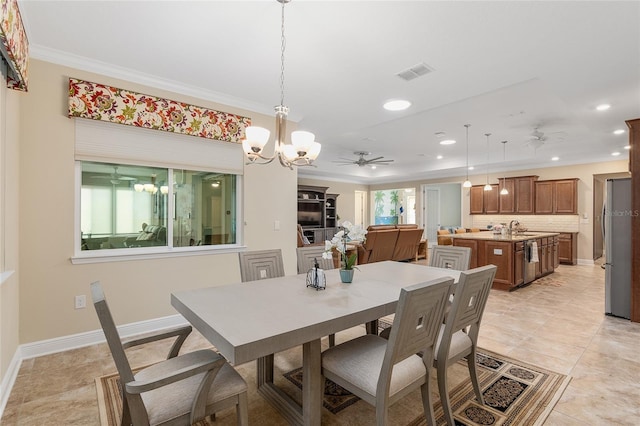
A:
142	192
136	207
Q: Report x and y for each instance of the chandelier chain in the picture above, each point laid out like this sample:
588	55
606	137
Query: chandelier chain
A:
283	43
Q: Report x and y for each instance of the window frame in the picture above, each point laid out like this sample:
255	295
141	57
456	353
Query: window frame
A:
155	252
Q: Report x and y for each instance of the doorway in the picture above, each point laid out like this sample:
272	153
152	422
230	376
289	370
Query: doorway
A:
360	216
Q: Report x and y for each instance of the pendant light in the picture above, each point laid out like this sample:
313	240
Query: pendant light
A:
303	149
487	187
504	190
467	182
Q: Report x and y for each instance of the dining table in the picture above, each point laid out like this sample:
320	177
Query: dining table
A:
256	319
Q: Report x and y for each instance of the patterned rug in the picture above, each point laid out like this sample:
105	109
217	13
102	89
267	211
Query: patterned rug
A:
515	393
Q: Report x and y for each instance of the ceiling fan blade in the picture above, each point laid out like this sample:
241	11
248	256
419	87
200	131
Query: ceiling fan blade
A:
374	159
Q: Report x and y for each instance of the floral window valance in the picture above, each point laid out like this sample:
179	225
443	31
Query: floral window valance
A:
15	46
106	103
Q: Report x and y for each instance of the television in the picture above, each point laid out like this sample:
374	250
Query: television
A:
310	215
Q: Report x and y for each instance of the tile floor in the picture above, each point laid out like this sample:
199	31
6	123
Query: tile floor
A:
557	324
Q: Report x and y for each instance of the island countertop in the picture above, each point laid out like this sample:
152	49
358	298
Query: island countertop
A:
490	236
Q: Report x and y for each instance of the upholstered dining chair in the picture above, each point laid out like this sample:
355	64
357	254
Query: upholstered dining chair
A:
458	336
261	264
308	255
383	372
181	390
443	237
450	257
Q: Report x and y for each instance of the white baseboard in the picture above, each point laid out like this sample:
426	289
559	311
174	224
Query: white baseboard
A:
586	262
8	380
74	341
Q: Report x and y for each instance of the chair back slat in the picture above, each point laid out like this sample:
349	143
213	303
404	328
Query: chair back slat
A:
260	264
450	257
469	301
417	320
306	256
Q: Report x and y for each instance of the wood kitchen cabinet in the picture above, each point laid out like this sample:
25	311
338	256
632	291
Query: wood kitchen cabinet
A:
524	190
556	196
568	248
507	201
501	254
484	202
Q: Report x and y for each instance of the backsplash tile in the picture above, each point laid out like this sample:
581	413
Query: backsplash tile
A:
552	223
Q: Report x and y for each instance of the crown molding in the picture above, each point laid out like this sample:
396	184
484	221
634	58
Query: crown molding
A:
91	65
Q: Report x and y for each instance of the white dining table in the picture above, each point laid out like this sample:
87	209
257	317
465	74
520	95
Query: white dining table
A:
253	320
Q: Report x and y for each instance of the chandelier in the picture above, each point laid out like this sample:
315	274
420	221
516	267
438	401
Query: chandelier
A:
303	149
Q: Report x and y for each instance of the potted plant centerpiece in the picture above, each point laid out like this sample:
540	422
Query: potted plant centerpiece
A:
349	232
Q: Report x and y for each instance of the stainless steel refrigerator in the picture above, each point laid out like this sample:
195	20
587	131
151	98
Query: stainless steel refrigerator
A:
617	239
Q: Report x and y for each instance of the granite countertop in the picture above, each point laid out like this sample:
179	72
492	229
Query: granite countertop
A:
490	236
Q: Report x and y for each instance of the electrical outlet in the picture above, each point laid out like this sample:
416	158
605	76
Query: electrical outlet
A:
81	301
263	273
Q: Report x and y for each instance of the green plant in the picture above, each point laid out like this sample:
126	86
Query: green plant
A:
379	203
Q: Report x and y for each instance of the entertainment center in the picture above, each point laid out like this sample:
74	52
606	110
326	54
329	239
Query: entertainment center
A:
317	212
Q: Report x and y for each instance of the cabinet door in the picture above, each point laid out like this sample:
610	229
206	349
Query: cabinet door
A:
491	200
565	249
524	194
544	197
566	196
507	201
500	253
476	200
518	267
556	257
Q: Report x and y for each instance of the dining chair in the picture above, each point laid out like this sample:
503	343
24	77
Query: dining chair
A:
443	237
181	390
308	255
458	336
382	372
261	264
450	257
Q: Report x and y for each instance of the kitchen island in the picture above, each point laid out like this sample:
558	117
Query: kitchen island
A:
514	255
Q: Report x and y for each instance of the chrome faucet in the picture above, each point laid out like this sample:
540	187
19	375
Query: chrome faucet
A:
511	225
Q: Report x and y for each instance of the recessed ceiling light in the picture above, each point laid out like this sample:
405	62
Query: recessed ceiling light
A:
447	142
373	167
439	157
627	147
470	167
615	154
618	132
555	158
397	105
603	107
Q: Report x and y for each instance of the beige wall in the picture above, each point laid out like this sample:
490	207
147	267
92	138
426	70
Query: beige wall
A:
137	290
346	200
584	172
9	300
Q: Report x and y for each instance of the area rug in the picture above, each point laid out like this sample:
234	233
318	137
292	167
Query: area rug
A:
515	393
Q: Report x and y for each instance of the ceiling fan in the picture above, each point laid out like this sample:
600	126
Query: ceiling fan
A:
361	161
115	177
537	138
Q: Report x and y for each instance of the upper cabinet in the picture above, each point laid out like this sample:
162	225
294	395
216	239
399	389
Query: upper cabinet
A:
331	217
526	195
556	196
484	202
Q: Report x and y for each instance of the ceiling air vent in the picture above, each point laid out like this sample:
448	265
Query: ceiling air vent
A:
415	71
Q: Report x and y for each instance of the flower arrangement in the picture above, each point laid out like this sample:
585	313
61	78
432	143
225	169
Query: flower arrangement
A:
349	232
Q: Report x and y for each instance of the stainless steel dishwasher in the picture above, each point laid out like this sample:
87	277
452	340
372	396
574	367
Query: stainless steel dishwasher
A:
530	260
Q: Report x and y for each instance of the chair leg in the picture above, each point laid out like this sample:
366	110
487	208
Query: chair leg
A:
126	414
444	393
382	414
332	340
425	389
242	409
473	373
